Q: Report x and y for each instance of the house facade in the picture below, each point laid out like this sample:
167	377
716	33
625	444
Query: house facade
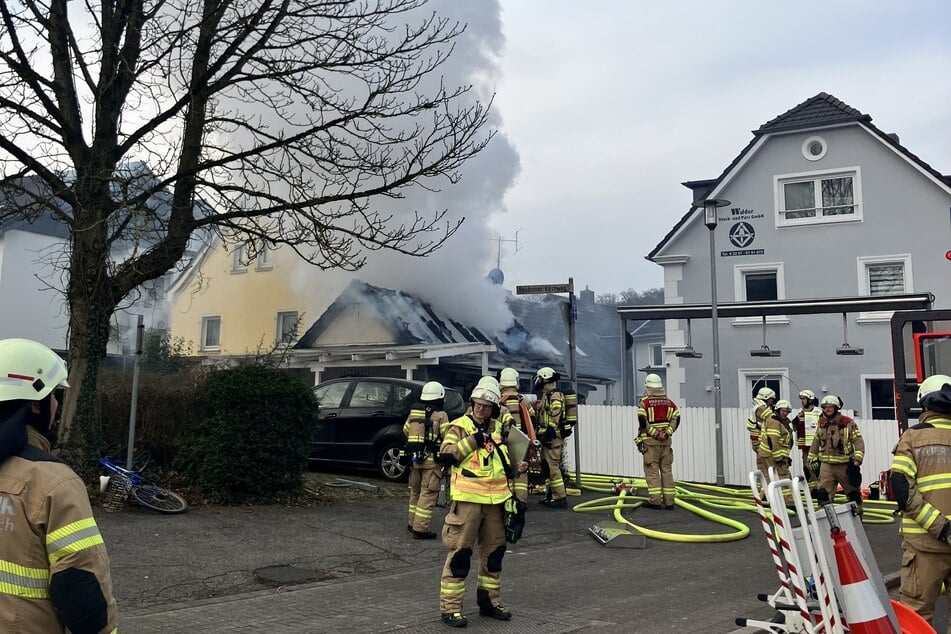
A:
822	204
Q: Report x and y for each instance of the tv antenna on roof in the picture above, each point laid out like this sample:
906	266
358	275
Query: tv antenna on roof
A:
499	240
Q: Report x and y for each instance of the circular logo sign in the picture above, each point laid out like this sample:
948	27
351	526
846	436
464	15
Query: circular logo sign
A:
742	234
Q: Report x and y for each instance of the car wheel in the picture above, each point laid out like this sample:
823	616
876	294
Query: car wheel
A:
388	462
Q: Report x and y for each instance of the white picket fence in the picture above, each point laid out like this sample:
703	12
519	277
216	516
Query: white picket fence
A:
606	438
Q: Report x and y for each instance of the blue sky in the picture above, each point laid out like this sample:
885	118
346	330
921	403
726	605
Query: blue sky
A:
610	105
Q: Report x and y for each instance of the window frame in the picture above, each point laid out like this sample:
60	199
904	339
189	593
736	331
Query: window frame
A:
739	289
263	262
817	176
864	283
659	347
205	320
238	263
279	334
746	377
868	406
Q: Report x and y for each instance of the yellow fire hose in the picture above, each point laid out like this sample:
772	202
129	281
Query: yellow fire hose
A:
688	497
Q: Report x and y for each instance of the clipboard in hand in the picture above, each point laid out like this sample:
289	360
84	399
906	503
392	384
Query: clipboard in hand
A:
518	444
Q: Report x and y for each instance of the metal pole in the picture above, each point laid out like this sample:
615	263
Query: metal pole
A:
717	403
140	327
623	346
572	317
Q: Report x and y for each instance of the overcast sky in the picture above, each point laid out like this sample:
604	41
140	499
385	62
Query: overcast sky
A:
610	105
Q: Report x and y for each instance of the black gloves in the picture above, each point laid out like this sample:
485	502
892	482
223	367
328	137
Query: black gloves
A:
479	438
549	434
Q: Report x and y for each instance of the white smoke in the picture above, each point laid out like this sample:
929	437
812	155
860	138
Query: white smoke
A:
453	278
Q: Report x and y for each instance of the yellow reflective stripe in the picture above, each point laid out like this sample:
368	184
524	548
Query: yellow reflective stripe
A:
20	581
910	527
489	583
72	538
934	482
905	465
927	516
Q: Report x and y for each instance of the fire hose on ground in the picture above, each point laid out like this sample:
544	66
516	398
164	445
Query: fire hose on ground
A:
692	496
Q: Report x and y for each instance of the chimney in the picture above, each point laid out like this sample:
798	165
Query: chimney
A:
893	137
587	296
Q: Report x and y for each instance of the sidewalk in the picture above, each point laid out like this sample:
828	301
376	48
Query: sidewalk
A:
208	570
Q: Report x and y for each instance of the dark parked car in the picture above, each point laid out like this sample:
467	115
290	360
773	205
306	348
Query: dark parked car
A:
361	421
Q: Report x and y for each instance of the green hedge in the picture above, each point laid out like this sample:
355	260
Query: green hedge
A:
254	440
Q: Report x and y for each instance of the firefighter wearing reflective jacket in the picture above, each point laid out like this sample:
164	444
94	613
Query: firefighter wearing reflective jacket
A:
53	562
556	414
516	413
762	412
658	418
776	440
807	421
837	452
921	482
424	429
474	450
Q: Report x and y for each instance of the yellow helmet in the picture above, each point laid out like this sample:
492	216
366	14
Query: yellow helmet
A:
653	381
783	404
831	399
765	394
29	370
807	394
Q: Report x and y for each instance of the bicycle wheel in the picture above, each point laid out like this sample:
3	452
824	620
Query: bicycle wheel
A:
157	499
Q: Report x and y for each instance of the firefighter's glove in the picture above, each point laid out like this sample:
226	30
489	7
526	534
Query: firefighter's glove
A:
946	534
814	467
405	459
641	447
549	435
565	431
662	435
479	438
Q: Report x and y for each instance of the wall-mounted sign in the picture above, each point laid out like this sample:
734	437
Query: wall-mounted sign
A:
742	234
742	213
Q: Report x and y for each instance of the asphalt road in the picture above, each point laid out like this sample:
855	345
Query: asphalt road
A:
352	564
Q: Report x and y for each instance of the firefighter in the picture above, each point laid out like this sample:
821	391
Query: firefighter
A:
776	440
516	413
921	481
556	413
762	411
481	470
807	421
53	562
658	418
837	452
424	430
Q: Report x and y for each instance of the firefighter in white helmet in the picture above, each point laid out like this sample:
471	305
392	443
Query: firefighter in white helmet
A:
806	423
424	430
481	470
762	411
53	562
837	452
776	441
921	482
556	414
658	418
516	413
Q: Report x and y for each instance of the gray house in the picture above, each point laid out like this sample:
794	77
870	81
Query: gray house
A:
823	204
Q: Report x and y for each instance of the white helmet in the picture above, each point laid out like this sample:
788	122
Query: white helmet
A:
29	370
831	399
433	391
653	381
783	404
933	384
807	394
547	375
490	381
486	393
508	377
765	394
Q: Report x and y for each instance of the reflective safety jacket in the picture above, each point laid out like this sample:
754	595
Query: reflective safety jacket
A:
515	412
806	425
656	413
776	439
923	456
52	557
556	415
424	436
761	413
838	440
478	473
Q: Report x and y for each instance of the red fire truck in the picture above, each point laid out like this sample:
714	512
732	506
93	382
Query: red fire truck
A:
921	346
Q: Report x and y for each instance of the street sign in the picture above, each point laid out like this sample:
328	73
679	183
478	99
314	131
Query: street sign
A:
537	289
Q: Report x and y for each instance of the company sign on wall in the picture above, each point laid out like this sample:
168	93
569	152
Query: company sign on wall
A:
741	231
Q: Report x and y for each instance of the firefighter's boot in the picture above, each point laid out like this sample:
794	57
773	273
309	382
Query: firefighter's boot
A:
556	504
454	619
424	535
497	612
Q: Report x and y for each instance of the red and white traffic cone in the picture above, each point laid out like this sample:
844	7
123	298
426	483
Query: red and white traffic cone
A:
864	612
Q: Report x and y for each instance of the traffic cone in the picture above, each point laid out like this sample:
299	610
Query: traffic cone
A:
864	613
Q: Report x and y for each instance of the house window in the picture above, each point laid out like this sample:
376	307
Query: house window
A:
264	258
814	148
818	197
759	283
656	355
239	261
882	398
880	276
287	321
752	379
211	332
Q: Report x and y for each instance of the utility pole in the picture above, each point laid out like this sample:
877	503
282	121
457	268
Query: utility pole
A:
139	330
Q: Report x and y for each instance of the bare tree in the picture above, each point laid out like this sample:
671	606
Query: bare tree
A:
630	297
291	122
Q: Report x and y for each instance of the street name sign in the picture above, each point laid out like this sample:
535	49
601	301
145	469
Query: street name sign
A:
538	289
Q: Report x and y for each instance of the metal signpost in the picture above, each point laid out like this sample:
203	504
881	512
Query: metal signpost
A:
571	317
139	329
